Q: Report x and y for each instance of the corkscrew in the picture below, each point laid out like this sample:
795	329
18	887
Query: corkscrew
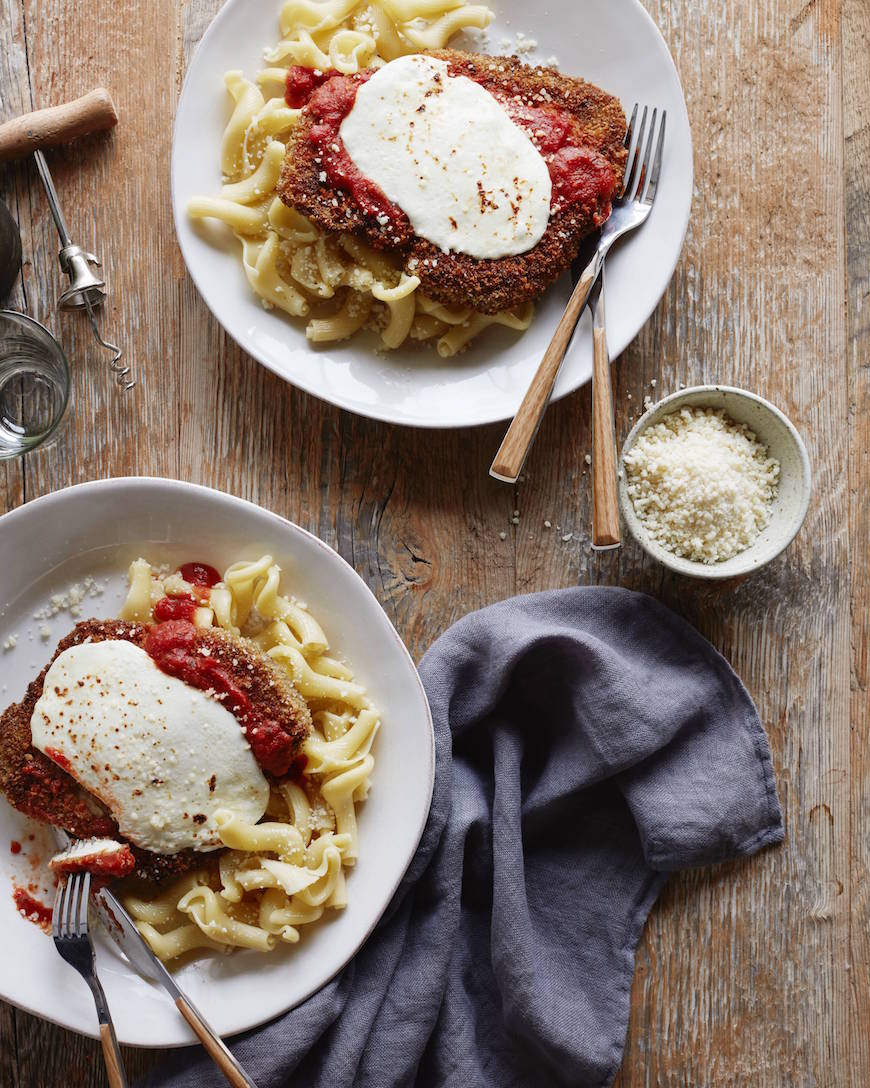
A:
26	135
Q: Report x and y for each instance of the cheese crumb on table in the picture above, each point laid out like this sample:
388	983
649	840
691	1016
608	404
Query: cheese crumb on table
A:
701	484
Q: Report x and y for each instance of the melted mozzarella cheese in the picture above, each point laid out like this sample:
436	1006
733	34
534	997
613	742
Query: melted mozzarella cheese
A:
444	151
161	755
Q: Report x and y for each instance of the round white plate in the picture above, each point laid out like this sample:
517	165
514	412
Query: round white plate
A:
97	529
612	43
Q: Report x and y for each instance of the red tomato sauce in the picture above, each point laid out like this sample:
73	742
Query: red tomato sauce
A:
329	103
579	174
301	83
31	908
15	847
59	758
175	608
199	574
173	648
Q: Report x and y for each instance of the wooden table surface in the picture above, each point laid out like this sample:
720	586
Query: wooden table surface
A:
756	972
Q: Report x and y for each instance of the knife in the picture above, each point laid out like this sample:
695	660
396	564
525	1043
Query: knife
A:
606	535
123	931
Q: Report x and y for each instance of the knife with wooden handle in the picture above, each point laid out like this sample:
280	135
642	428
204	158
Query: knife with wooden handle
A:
123	931
606	533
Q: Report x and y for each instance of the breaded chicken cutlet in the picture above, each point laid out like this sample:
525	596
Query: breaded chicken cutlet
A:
38	787
590	120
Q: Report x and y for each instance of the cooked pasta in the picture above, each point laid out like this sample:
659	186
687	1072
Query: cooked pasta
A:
282	873
336	282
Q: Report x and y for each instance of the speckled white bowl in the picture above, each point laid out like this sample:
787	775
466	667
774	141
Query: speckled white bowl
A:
793	495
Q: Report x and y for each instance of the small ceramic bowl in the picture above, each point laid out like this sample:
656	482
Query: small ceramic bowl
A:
793	494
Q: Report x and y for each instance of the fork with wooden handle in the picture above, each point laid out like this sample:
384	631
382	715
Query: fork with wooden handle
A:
643	167
72	939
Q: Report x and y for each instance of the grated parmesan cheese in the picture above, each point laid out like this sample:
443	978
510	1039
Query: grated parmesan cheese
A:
72	600
701	484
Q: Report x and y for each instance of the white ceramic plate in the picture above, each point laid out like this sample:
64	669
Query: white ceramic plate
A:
97	529
612	43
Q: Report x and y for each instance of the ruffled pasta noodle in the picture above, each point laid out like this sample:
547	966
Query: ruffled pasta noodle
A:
281	874
335	282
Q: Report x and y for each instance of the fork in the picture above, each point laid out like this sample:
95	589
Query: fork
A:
72	939
642	172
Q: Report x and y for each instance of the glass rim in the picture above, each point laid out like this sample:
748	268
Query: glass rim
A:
28	320
47	336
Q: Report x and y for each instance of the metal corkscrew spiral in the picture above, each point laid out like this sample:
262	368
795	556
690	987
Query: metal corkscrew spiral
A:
121	373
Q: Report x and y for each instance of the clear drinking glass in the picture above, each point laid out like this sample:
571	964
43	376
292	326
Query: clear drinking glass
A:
34	385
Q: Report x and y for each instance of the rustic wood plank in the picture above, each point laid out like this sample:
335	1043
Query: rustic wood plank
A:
756	972
9	1049
117	204
15	98
95	178
744	973
856	86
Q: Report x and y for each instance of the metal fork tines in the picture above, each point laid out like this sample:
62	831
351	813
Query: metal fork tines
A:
643	167
645	144
72	939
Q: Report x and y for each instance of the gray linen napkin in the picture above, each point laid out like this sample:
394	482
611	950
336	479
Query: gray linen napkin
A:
598	742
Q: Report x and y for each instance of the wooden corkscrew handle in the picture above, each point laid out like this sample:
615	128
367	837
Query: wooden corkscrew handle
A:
93	112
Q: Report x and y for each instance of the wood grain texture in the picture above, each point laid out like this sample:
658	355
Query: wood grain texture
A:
605	506
856	85
215	1047
757	972
114	1072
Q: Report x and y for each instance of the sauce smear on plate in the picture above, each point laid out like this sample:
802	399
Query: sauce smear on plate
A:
31	908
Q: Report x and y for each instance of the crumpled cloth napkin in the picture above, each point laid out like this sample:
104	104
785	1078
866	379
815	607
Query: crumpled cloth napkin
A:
598	743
